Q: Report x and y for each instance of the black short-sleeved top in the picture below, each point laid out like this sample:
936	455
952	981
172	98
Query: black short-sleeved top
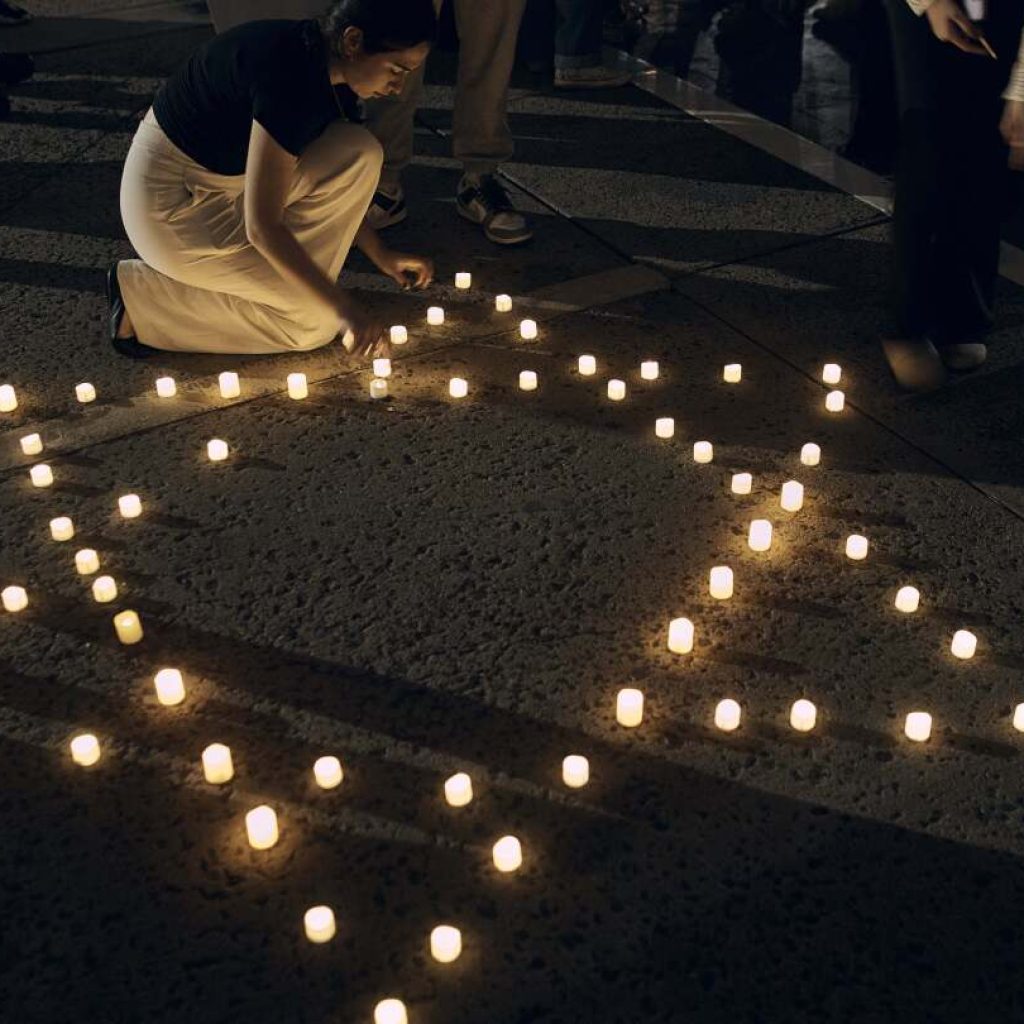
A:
274	72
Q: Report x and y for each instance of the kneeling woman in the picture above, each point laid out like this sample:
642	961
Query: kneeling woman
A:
247	183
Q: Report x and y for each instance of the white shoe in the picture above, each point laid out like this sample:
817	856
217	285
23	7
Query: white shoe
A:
386	209
596	77
484	201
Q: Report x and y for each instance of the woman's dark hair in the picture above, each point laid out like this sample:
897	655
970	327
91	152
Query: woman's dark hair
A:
387	25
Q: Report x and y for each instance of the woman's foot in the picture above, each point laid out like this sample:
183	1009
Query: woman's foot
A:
915	363
127	328
120	329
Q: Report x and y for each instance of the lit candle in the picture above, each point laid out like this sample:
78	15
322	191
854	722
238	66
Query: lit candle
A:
445	943
435	316
165	387
130	506
398	334
41	475
31	444
810	454
665	427
831	373
528	330
908	599
742	483
14	599
8	399
458	790
587	366
62	528
87	562
856	547
378	388
527	380
760	536
720	582
834	401
575	771
458	388
328	772
319	924
229	386
85	393
508	854
803	716
703	451
104	589
85	749
616	390
727	715
261	827
217	765
680	636
298	386
629	707
463	280
503	303
732	373
169	686
382	367
918	726
1018	718
390	1011
128	627
965	643
792	498
649	369
217	450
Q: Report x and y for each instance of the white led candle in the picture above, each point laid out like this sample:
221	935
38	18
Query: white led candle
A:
528	330
616	390
85	749
965	643
458	789
435	316
720	582
703	451
629	707
575	771
382	367
8	399
217	450
727	715
732	373
792	497
85	393
458	388
165	387
664	427
104	589
217	765
1018	718
680	636
128	627
649	369
856	547
31	444
298	386
503	303
169	686
41	475
803	715
742	483
378	388
14	599
463	280
319	924
130	506
760	536
87	562
328	772
445	943
399	334
587	366
918	726
527	380
908	599
810	454
62	528
834	401
508	854
831	373
229	385
261	827
390	1011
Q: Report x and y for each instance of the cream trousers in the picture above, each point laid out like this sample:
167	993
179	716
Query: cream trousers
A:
200	285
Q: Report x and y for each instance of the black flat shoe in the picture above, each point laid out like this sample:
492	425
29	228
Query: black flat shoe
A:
130	346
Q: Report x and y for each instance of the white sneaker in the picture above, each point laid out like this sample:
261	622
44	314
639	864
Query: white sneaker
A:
484	201
596	77
386	209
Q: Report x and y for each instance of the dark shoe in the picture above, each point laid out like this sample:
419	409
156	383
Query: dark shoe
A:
484	201
965	356
386	210
11	14
915	363
130	346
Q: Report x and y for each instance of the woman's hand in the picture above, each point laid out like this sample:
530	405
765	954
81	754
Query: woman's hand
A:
365	333
404	269
950	24
1012	127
